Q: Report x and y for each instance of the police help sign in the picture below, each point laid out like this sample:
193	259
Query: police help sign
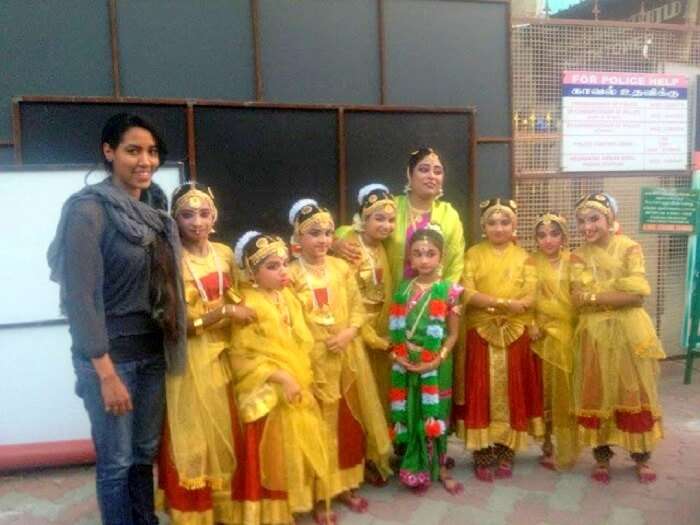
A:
624	121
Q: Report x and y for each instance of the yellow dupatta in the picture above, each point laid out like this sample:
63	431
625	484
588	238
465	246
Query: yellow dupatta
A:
554	315
343	374
197	401
617	350
257	350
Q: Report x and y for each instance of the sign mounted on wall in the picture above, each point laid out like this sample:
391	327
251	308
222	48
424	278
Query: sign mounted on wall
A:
624	122
668	211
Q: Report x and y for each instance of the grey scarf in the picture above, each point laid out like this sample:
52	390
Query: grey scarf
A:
139	223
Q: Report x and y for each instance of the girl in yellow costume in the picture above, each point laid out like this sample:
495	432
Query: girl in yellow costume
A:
197	458
334	312
552	336
373	223
617	350
282	450
503	399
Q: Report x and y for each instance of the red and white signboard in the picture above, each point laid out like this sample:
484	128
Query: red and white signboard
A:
624	121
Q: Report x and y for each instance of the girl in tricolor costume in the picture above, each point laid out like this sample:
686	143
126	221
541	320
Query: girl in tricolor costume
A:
423	326
343	382
617	351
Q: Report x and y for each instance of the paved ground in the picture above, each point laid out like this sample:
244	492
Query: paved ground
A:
534	496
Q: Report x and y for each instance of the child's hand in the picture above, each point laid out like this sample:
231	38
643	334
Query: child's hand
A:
422	368
534	332
341	340
240	313
516	306
291	389
350	251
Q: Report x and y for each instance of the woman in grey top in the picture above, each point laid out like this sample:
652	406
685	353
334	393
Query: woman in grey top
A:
115	256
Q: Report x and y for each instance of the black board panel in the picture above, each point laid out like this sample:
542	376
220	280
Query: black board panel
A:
69	133
259	161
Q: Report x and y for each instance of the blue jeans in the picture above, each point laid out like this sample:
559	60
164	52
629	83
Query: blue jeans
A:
125	445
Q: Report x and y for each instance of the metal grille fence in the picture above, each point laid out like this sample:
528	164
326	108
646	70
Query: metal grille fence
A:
540	52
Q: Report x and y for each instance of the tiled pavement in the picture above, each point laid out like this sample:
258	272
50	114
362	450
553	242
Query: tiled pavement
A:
534	496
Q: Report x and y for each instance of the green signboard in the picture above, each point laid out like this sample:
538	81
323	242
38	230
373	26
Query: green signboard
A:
668	211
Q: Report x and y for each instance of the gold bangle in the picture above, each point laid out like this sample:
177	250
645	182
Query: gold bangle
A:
509	302
444	352
198	325
593	298
500	301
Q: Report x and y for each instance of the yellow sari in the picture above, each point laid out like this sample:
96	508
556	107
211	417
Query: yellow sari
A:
199	442
617	351
293	449
341	375
554	316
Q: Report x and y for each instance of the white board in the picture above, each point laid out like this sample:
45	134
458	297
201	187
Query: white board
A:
32	201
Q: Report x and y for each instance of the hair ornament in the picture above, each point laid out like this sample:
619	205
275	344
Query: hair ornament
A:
298	206
241	244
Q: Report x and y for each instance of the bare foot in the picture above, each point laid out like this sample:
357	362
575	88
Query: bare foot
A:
353	501
323	516
451	485
547	461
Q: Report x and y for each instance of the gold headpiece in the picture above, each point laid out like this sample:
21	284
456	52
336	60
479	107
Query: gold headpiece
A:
599	202
194	198
375	197
548	218
264	247
498	205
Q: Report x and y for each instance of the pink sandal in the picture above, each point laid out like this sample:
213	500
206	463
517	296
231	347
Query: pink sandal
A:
645	473
483	474
601	474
